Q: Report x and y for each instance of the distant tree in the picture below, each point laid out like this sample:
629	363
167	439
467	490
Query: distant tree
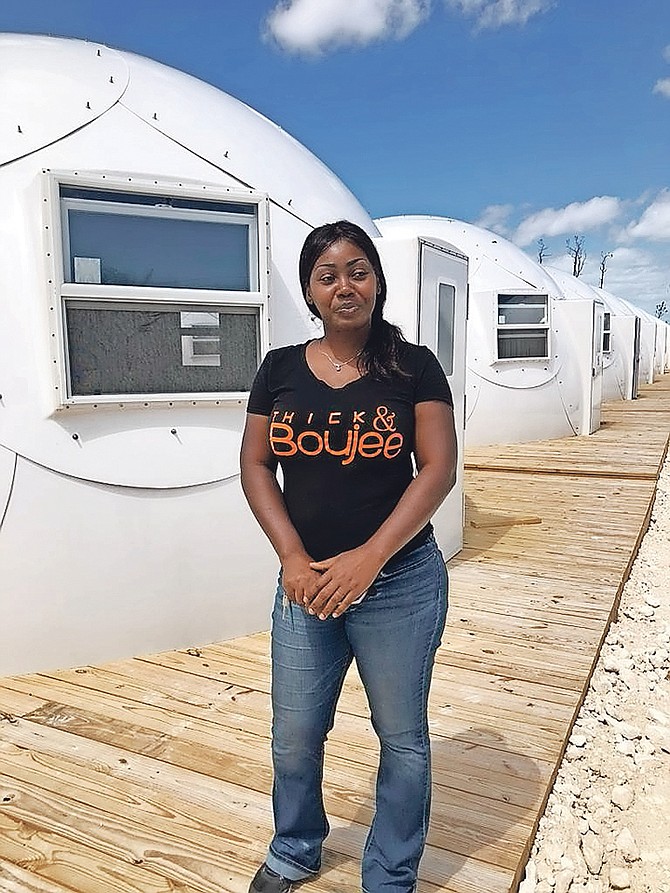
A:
576	251
604	257
661	310
542	251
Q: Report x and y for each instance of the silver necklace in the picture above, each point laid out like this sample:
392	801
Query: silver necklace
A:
337	366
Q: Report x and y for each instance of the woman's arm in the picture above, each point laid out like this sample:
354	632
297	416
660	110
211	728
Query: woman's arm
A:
261	488
346	576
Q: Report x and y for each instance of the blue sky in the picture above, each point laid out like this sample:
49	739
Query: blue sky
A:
535	118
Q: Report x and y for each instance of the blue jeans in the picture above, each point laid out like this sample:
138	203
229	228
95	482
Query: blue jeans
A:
393	635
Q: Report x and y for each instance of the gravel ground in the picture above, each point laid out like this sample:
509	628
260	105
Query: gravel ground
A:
607	821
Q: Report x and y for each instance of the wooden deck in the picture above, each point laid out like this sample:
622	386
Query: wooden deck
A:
152	775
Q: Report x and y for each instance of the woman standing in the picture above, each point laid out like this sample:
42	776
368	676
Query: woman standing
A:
349	417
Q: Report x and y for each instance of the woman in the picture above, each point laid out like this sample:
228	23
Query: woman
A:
348	416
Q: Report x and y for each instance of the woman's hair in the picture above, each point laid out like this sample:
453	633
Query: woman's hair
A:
381	355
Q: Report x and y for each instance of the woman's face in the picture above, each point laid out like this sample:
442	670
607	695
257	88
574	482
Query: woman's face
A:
343	287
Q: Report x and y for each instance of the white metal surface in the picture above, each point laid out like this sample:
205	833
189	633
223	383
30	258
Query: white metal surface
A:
627	328
414	269
618	363
237	139
83	80
7	469
522	399
652	345
92	573
659	348
126	530
597	323
647	343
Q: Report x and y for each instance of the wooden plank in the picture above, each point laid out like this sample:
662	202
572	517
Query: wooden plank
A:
355	702
175	747
630	444
209	861
519	711
236	757
510	521
16	703
245	672
55	859
448	872
166	786
14	879
500	689
351	739
545	630
69	801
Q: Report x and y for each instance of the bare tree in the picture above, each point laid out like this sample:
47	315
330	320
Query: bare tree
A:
576	251
542	251
661	310
604	257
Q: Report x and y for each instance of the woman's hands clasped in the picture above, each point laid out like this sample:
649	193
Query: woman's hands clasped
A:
327	588
342	580
300	581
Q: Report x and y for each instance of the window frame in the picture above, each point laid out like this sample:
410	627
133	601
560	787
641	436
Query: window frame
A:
543	299
607	332
74	304
447	284
56	239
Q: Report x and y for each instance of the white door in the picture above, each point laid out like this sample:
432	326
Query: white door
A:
636	359
597	365
443	290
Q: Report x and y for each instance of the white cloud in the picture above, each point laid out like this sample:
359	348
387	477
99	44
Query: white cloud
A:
654	223
637	275
496	13
636	232
495	217
578	217
317	26
662	86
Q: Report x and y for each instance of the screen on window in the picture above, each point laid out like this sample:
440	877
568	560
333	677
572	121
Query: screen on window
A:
126	348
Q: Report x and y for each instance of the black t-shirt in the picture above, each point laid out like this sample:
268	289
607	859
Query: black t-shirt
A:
345	453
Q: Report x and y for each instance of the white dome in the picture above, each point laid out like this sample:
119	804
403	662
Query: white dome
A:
50	87
546	392
70	106
573	285
489	254
616	305
124	526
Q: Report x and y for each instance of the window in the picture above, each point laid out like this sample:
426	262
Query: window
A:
607	332
446	298
523	326
114	238
161	292
123	348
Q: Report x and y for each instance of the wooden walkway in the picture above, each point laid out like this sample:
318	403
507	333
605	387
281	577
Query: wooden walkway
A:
152	775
